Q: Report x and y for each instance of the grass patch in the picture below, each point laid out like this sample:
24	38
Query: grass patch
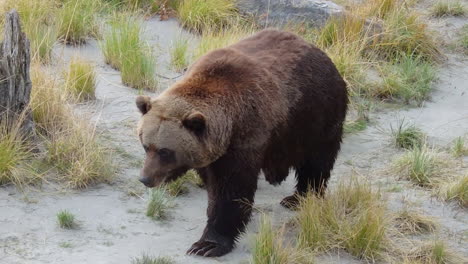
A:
420	165
14	154
463	38
71	143
66	220
269	248
146	259
179	56
434	252
350	217
199	15
404	33
124	50
77	155
448	8
78	20
408	78
48	102
80	79
458	147
407	136
355	126
457	190
412	222
159	203
65	245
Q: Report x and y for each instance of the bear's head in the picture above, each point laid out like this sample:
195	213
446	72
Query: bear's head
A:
172	133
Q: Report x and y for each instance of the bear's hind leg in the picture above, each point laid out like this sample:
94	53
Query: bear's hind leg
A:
313	174
310	177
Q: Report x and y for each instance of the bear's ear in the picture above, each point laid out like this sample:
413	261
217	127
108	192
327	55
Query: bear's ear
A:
195	122
143	103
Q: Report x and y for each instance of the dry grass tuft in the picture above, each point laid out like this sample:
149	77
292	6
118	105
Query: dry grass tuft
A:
14	155
459	149
71	143
269	247
405	33
411	222
350	217
448	8
80	79
434	252
456	190
75	152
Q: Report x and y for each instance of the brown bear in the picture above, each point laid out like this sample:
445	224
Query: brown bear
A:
270	102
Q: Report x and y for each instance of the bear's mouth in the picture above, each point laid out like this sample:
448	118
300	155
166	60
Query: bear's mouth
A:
171	176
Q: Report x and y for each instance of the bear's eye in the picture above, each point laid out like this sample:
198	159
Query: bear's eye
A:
146	148
165	154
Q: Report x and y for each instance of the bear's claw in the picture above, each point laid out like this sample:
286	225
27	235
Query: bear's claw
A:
291	202
208	249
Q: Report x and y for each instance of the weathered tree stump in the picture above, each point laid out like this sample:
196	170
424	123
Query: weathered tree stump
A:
15	82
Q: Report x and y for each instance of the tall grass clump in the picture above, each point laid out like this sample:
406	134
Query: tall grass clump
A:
448	8
408	78
38	20
80	79
48	102
146	259
352	217
77	20
78	156
405	33
420	165
71	143
201	14
407	136
158	204
179	56
124	50
269	247
14	154
456	190
459	149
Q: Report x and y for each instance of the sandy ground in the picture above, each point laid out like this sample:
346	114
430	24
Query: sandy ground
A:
113	226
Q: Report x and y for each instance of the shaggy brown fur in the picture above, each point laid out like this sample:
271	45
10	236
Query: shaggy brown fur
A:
269	103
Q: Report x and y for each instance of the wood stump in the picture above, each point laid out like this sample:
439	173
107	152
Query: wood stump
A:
15	82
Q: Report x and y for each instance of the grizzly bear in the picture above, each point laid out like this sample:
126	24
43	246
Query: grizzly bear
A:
270	102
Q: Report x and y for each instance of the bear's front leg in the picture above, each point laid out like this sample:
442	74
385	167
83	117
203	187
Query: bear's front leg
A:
231	193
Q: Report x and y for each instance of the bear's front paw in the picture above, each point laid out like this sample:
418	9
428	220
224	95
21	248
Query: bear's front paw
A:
207	248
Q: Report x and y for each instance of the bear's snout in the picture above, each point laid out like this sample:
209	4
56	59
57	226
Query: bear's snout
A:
147	181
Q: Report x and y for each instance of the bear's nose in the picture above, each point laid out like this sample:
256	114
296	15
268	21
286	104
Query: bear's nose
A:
146	181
